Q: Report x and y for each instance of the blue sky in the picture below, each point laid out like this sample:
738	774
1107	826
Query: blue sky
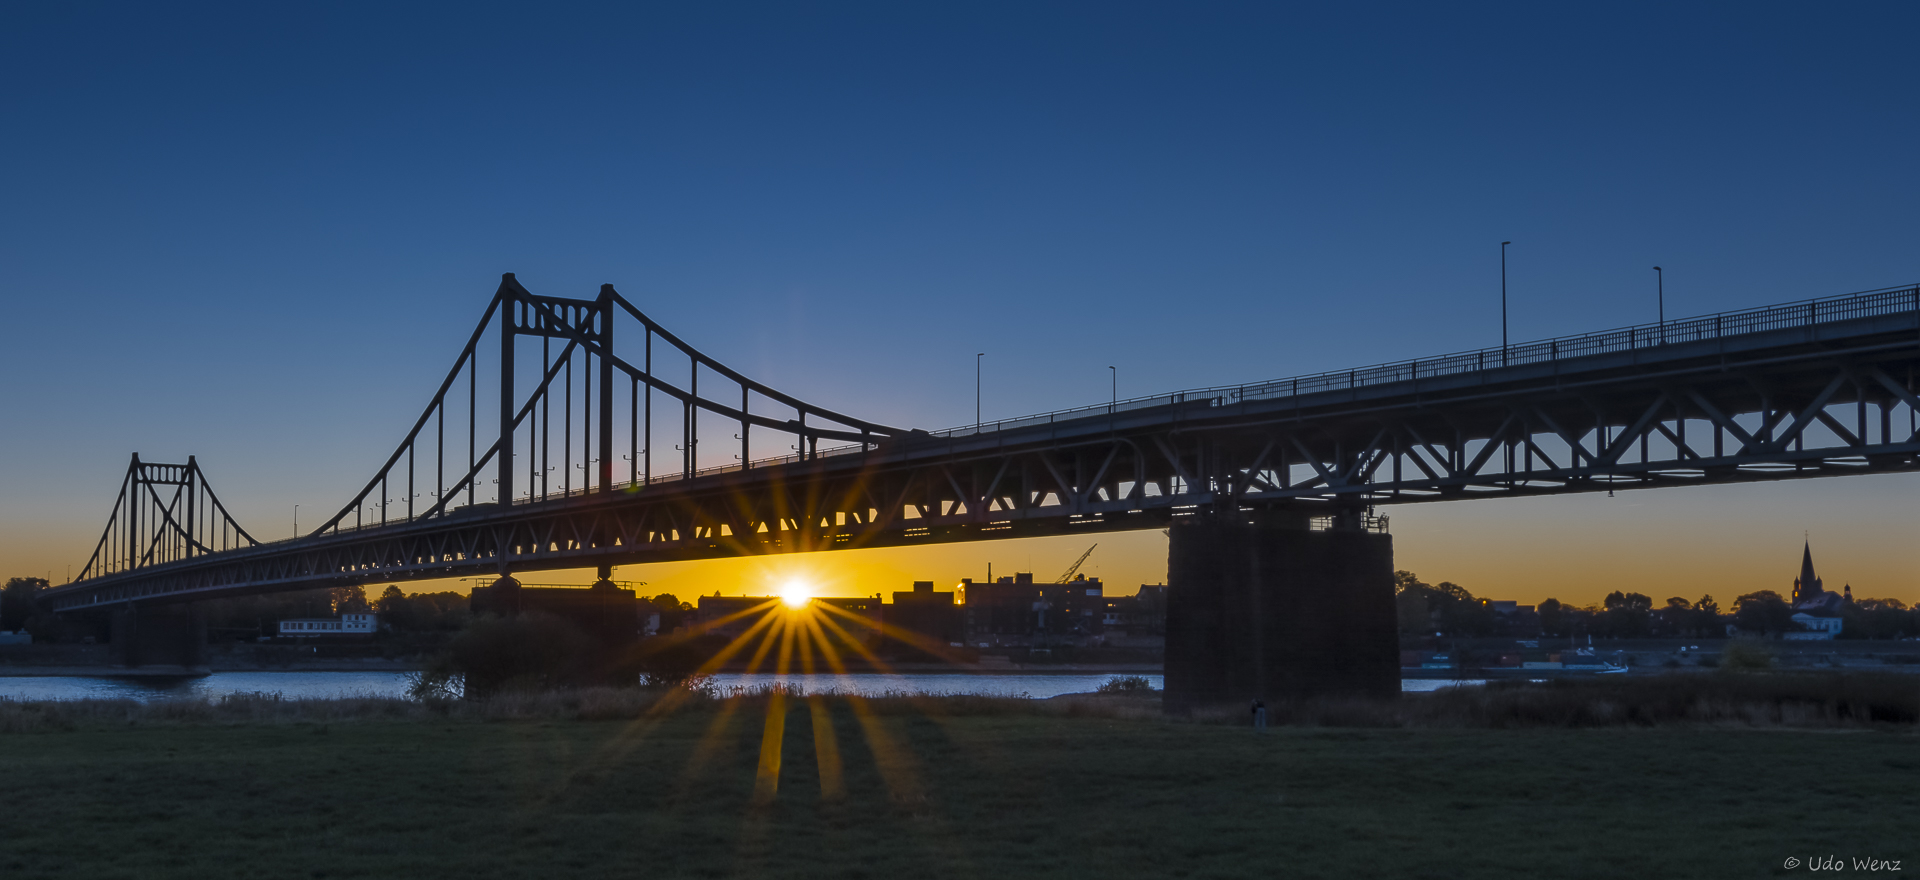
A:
259	233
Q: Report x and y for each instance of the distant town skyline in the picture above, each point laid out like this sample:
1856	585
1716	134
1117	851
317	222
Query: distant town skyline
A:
258	235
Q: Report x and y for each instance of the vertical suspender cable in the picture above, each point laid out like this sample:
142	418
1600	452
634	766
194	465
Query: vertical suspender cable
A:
546	412
473	369
646	446
566	433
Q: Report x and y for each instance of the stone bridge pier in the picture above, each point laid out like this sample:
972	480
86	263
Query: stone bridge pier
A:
1270	609
160	635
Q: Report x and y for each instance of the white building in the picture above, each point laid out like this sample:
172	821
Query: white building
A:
1813	628
344	625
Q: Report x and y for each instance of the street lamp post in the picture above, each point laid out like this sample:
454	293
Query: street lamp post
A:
1660	279
296	520
1115	405
976	391
1503	302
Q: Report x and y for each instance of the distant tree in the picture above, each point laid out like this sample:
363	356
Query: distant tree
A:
348	600
1876	619
1618	601
445	611
1553	618
1413	604
1676	618
1469	616
1413	612
1626	616
1445	607
1706	618
19	601
396	611
673	612
423	612
1762	612
1453	591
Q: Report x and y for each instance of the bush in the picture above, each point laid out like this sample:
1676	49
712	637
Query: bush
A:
435	686
533	651
1126	684
1745	654
669	661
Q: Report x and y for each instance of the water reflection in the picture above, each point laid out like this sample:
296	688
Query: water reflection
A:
394	684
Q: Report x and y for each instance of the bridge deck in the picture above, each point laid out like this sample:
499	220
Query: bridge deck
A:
1790	391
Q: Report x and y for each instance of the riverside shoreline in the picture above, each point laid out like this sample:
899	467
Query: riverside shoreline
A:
373	665
1642	657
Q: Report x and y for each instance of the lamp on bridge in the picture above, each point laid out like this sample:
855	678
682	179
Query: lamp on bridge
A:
1660	280
976	391
1503	302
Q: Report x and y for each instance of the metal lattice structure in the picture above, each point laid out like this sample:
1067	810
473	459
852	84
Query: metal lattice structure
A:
607	397
164	513
1812	389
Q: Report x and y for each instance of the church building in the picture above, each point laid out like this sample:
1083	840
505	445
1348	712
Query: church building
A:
1815	611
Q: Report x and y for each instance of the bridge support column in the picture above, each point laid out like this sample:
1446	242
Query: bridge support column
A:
501	597
1273	611
160	635
614	617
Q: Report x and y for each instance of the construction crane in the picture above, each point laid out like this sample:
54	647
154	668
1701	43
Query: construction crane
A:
1076	565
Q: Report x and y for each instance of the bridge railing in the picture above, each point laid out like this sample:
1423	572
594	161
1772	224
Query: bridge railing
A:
1805	313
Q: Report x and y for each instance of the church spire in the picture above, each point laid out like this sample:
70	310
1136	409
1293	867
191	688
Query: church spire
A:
1807	586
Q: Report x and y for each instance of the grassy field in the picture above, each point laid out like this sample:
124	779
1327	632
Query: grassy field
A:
989	795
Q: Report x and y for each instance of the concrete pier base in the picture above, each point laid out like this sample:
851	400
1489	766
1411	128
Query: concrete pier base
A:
502	597
1273	611
160	636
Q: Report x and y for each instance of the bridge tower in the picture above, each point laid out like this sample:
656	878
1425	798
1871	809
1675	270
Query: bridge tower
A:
165	513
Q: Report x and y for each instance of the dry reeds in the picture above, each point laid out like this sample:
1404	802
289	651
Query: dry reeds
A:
1774	699
1748	700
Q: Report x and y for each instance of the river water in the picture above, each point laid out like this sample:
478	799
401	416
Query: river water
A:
394	684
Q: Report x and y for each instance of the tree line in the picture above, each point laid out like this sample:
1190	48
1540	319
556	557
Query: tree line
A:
249	617
1449	609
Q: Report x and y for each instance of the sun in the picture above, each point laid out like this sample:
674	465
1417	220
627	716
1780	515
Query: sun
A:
796	593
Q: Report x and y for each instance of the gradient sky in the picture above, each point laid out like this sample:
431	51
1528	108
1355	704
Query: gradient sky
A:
259	233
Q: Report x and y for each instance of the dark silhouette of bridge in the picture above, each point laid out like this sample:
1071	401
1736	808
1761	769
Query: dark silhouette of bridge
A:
568	474
547	446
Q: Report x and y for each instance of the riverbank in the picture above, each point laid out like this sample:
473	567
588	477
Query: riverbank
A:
1005	788
1639	656
166	671
1829	700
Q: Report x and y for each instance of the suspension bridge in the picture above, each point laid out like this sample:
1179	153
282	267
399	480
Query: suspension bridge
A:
576	433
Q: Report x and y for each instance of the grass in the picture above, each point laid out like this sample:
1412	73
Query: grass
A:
587	785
